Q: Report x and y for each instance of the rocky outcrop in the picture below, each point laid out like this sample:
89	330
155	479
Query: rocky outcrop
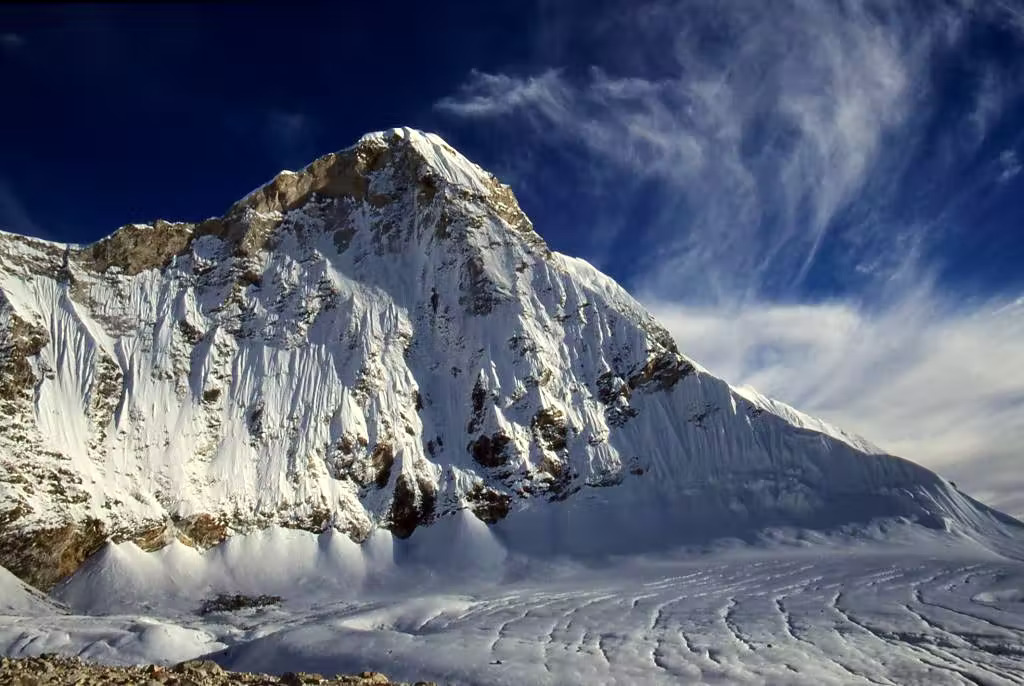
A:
200	531
550	429
412	505
56	670
662	371
232	602
488	504
491	451
138	247
20	341
43	557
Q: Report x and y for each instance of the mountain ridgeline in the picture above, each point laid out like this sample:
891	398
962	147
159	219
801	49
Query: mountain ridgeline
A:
378	341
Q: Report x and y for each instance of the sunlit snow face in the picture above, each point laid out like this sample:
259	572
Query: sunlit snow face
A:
835	186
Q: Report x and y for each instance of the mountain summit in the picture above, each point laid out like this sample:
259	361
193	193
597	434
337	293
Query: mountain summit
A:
378	341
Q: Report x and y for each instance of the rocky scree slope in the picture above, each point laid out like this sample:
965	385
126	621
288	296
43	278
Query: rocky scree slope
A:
54	670
380	340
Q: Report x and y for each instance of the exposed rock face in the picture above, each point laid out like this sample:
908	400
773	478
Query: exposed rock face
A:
488	504
19	343
378	340
53	670
136	248
44	556
202	531
232	602
491	451
550	429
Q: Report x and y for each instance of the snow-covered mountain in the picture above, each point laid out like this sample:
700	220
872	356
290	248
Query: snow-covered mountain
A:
382	340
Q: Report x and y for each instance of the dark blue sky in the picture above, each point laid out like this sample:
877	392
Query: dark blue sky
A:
115	114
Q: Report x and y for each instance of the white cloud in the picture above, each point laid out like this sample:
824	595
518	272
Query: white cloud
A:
763	139
942	387
766	121
1013	13
487	95
1009	165
988	103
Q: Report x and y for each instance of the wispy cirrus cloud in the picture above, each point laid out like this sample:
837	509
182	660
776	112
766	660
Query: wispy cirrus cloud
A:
764	122
1009	165
788	165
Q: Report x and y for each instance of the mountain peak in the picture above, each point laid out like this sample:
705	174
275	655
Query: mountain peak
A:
396	171
410	155
438	156
378	341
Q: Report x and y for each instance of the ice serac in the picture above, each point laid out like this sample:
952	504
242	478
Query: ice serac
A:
380	340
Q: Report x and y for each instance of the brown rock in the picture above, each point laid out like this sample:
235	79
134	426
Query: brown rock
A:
550	429
382	459
490	451
488	504
198	667
374	678
44	557
412	505
202	530
661	372
136	248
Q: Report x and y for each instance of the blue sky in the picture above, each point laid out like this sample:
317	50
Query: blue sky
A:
821	198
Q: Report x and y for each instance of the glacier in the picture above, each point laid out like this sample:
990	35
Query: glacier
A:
450	604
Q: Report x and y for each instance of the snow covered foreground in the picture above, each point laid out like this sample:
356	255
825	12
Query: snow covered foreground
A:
451	605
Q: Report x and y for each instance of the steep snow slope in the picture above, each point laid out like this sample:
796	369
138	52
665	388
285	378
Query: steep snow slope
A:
380	340
17	598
